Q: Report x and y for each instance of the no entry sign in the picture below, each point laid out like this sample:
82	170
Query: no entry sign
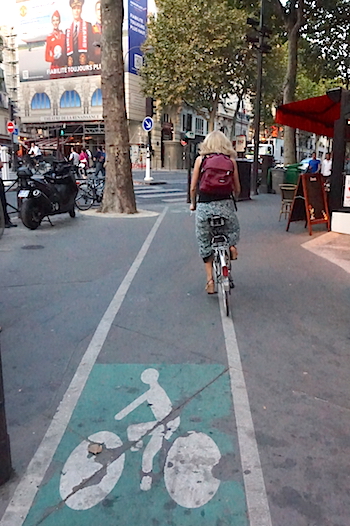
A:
11	126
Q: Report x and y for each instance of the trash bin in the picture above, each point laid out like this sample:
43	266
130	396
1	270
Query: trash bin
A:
277	178
292	173
244	171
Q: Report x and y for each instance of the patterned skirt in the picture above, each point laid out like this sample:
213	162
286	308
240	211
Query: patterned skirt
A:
205	211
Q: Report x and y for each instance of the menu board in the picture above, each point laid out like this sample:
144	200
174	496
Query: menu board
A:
310	202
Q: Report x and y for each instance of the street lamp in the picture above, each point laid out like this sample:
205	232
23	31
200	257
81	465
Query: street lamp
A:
261	47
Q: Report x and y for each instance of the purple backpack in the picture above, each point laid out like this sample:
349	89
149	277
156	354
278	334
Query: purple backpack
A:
216	174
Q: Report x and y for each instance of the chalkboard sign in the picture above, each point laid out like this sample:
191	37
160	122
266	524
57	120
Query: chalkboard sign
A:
310	202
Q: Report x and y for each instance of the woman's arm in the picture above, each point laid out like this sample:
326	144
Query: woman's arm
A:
236	183
194	181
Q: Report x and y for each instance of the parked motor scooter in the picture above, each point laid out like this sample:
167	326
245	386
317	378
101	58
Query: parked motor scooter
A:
52	193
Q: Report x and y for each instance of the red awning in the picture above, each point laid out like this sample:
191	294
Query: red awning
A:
315	115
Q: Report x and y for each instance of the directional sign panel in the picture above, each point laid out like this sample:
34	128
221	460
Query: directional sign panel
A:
147	124
147	444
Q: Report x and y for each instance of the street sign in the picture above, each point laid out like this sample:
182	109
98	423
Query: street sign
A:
15	131
11	126
147	124
190	135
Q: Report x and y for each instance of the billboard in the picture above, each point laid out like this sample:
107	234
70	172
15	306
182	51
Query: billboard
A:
58	38
137	22
61	38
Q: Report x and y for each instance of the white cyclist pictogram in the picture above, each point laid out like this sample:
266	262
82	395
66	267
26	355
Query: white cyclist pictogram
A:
87	478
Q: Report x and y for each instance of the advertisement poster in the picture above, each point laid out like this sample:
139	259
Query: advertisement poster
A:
137	10
347	191
58	38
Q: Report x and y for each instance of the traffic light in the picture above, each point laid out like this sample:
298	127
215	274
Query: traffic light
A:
150	107
12	112
61	132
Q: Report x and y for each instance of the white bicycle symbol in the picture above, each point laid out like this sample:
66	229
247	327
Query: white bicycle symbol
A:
96	464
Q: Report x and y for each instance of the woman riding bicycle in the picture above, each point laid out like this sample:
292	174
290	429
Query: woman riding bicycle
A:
215	146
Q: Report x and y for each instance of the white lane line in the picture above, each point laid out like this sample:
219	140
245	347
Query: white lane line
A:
257	503
17	510
175	200
148	196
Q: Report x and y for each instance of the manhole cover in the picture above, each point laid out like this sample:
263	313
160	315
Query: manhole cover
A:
32	247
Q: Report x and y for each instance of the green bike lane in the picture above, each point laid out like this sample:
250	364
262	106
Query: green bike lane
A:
198	461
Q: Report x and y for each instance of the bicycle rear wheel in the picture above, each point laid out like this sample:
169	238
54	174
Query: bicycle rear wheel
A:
85	197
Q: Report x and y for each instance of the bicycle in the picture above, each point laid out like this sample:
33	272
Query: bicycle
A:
222	260
95	466
89	192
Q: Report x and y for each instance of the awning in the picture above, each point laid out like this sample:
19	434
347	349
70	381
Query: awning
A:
44	144
315	115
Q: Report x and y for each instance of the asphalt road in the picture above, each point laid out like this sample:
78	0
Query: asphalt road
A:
135	302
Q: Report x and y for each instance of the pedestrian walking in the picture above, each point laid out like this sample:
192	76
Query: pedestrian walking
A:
100	161
74	157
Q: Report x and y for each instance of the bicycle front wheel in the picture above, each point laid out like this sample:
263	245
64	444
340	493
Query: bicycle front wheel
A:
85	197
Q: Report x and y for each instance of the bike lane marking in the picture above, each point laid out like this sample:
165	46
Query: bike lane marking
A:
28	486
202	481
255	490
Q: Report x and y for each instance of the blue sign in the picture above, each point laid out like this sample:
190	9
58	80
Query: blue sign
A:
137	33
147	124
15	132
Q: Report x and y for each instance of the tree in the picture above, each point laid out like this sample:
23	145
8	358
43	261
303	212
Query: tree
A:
327	41
197	52
119	193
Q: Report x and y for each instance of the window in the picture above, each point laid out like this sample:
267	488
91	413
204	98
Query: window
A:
199	126
186	122
166	117
96	99
70	99
40	101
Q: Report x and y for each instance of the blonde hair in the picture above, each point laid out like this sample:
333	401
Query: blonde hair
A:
217	142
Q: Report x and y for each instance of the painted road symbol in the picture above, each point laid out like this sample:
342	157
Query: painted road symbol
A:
188	468
177	430
147	124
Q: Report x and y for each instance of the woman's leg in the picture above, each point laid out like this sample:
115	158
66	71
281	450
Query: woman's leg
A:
210	286
204	238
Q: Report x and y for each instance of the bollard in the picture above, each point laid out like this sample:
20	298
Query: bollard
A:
5	453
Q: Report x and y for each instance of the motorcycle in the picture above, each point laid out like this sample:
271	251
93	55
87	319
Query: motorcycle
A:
52	193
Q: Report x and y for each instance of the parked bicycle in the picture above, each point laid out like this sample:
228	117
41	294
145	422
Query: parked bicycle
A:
90	191
222	260
38	165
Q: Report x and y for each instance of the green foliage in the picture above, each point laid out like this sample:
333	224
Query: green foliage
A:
327	40
198	53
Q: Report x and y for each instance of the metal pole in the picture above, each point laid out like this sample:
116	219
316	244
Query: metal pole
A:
148	176
188	171
5	453
258	103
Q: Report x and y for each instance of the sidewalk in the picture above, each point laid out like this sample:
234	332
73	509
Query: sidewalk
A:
333	247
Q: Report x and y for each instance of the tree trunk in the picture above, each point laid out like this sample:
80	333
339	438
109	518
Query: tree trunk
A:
213	113
119	192
289	93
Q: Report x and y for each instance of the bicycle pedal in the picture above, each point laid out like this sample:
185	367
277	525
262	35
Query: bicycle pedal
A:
232	285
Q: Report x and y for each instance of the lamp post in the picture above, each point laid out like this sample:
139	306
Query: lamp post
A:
261	47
